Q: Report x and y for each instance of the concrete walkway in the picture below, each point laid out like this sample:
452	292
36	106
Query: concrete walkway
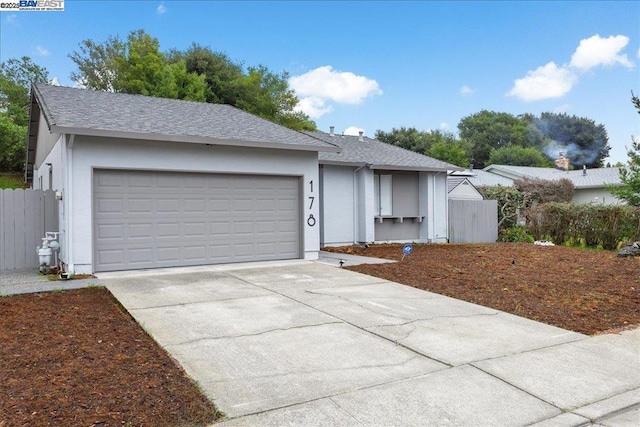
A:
30	281
307	344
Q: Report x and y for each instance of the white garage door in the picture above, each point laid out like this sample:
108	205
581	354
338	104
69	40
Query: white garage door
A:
148	219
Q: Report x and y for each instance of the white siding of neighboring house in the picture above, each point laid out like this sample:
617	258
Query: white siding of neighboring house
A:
465	191
93	152
600	196
338	205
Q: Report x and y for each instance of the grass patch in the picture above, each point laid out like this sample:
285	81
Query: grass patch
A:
12	181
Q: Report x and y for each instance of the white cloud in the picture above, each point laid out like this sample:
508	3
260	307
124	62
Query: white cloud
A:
42	51
324	84
638	53
313	107
547	81
55	82
466	91
596	51
161	9
12	19
353	131
444	125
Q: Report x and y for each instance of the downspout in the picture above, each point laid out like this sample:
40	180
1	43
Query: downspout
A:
356	227
67	200
446	207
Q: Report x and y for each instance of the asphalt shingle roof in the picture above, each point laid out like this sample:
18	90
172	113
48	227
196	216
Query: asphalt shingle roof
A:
597	177
91	112
480	178
376	153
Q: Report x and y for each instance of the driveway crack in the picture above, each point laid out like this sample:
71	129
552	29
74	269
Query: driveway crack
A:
255	334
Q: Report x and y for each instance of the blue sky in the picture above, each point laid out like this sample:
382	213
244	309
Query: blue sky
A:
378	65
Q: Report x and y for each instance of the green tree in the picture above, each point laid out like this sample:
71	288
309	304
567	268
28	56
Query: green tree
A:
515	155
581	140
16	77
408	138
488	130
135	66
98	64
435	143
221	74
451	152
138	66
267	94
630	173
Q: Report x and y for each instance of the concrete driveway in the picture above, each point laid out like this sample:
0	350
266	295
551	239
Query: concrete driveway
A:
303	343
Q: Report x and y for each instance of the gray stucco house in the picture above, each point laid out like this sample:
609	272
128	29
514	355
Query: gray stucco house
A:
147	182
375	192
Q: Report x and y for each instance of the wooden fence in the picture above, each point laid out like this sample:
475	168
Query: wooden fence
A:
473	221
25	216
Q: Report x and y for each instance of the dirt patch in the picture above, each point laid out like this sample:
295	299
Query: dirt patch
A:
76	358
581	290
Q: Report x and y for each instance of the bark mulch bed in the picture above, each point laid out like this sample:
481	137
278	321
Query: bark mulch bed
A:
582	290
76	358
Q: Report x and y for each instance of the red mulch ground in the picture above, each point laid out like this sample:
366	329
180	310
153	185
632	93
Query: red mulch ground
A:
76	358
586	291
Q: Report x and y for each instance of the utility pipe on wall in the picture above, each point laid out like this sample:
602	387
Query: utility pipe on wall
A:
356	226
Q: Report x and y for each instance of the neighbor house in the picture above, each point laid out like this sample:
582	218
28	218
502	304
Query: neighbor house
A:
371	191
460	187
148	182
590	184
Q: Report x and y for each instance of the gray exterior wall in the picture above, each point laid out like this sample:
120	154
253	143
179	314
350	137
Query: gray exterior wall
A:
338	205
405	203
89	153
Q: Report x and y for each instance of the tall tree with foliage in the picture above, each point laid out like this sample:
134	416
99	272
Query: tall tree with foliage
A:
580	139
135	66
434	143
630	173
408	138
138	66
16	77
222	75
489	130
515	155
267	94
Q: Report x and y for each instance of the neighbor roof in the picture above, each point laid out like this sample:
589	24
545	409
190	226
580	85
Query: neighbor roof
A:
480	178
593	178
96	113
376	154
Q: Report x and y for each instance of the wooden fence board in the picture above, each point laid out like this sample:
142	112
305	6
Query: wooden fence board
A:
25	215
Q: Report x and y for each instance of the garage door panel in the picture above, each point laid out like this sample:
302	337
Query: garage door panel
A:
159	219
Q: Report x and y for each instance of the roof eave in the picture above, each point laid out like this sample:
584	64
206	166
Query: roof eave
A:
414	168
191	139
339	163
